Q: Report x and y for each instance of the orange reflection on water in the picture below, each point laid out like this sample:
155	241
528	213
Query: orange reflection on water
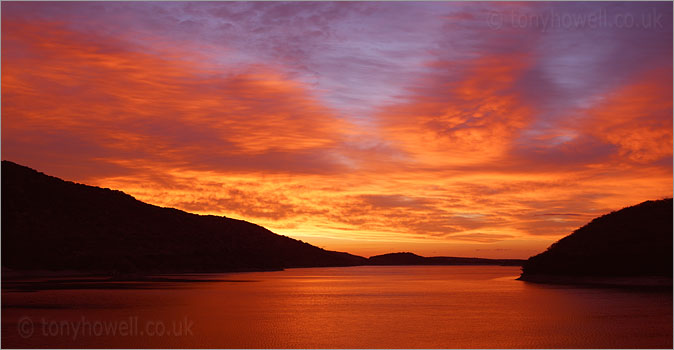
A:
359	307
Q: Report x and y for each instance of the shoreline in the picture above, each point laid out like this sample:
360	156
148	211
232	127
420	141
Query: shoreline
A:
601	281
18	275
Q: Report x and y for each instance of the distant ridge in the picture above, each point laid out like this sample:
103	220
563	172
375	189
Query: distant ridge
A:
406	258
51	224
634	242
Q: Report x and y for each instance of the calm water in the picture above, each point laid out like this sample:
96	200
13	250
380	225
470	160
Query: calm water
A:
353	307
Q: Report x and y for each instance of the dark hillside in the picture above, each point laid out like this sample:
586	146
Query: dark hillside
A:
413	259
634	241
51	224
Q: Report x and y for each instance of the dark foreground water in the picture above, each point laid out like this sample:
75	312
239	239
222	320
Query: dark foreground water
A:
353	307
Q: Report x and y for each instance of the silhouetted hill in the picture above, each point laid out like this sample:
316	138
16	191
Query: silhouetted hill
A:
413	259
634	241
51	224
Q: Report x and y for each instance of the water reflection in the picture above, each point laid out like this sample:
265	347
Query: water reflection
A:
354	307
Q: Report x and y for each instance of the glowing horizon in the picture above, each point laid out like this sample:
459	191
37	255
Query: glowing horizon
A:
462	129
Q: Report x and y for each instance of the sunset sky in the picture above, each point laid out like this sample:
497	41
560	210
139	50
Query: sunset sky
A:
461	129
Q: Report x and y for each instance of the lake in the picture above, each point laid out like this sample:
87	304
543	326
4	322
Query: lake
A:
349	307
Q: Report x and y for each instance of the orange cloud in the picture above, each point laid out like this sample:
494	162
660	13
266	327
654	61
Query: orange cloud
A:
637	118
464	112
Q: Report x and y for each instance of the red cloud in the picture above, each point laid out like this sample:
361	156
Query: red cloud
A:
117	101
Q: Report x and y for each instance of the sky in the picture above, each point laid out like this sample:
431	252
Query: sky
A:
455	129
